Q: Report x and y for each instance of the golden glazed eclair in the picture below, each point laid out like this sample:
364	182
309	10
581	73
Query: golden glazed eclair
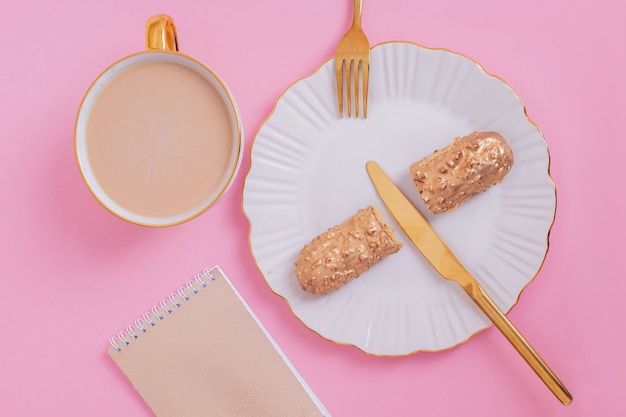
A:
468	166
343	252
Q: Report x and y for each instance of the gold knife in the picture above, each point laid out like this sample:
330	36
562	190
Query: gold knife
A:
447	264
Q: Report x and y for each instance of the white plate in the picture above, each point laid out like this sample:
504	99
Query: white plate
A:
308	173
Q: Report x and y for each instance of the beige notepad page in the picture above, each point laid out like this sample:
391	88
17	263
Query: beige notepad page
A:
203	352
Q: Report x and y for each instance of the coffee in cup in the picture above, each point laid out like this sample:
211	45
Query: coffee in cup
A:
158	136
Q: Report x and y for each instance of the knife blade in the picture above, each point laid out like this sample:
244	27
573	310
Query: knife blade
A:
445	262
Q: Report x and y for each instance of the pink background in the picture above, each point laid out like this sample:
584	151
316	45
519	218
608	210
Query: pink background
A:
72	275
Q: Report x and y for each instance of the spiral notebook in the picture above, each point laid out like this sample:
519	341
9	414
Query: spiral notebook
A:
203	352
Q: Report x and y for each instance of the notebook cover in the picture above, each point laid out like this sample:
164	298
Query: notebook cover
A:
210	356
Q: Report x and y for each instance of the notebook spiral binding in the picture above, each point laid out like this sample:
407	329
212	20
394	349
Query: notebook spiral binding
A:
161	310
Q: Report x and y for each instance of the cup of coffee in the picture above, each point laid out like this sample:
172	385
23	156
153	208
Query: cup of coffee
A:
158	136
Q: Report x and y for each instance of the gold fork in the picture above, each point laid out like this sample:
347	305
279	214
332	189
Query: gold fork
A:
353	54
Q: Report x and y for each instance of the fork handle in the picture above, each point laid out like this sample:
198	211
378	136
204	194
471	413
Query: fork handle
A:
356	16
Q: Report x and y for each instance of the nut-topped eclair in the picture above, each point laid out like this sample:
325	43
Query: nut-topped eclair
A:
468	166
343	252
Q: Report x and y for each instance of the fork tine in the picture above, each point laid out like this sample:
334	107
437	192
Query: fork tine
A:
349	86
355	76
366	79
339	65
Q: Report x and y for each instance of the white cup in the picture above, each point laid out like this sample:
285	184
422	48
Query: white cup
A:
158	136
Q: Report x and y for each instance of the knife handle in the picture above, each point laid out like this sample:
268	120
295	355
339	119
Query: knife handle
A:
486	304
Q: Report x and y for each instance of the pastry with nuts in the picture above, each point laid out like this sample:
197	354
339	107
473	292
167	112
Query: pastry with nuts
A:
468	166
345	251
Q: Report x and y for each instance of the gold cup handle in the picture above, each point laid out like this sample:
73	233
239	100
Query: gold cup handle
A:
161	33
